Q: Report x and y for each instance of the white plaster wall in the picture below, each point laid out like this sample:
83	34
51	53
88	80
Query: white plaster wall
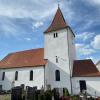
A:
57	47
72	51
93	85
23	77
64	76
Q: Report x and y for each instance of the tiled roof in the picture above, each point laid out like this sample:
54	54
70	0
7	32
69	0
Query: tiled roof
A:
28	58
58	22
85	68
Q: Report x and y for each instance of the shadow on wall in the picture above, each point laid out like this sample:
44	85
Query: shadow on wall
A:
64	76
92	91
65	79
7	84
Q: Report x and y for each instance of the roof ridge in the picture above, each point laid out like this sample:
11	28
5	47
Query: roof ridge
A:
82	59
62	16
25	50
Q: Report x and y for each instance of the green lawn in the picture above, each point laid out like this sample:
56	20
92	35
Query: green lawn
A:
5	97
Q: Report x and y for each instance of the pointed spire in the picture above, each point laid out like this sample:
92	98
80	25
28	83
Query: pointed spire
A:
58	3
58	22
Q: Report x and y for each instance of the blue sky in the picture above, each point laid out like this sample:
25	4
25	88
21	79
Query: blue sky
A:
22	23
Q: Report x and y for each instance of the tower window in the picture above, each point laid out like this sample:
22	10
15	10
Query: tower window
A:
16	75
56	59
3	76
55	35
31	75
57	75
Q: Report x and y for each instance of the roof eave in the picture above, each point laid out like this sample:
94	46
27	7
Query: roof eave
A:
23	66
55	29
45	32
87	76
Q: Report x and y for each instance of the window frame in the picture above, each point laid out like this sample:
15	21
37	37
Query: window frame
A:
57	75
3	76
55	35
31	75
16	75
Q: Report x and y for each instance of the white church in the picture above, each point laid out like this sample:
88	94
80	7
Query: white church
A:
54	66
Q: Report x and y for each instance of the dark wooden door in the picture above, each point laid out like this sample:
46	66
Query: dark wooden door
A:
82	85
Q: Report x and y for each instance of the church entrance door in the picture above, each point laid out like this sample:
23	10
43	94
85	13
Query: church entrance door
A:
82	85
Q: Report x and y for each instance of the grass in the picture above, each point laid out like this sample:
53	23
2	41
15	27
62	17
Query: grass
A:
5	97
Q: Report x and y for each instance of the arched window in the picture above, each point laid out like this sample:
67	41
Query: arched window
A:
31	75
3	76
57	75
54	35
16	75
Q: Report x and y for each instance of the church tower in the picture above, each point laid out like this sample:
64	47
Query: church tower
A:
59	49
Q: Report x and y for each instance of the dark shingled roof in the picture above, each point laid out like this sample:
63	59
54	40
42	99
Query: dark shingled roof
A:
58	22
27	58
85	68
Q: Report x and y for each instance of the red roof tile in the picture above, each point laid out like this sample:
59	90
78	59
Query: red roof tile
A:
85	68
58	22
28	58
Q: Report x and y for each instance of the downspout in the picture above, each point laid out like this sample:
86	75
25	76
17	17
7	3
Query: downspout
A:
69	63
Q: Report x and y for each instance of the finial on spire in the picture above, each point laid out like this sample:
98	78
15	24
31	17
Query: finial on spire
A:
58	3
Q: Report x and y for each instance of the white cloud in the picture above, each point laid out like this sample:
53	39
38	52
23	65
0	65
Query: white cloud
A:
88	23
12	27
28	39
37	24
93	2
27	8
83	49
96	42
35	9
8	28
90	57
85	36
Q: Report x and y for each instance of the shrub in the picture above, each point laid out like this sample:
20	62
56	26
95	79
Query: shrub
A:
74	97
66	92
41	97
48	95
